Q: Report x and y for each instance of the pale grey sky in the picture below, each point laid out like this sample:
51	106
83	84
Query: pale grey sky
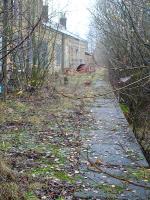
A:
78	16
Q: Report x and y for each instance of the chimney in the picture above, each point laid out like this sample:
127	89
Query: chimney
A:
45	11
63	20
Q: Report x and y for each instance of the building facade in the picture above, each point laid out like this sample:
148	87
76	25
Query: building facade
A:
52	43
69	50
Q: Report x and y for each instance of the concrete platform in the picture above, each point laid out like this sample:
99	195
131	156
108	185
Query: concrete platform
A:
114	144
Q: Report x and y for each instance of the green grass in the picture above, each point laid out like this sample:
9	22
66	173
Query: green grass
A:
50	170
111	190
60	198
140	174
30	196
5	146
63	176
124	108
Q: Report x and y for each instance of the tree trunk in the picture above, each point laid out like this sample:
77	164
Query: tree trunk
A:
4	46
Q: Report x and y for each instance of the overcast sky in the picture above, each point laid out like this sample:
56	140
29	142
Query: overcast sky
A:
78	16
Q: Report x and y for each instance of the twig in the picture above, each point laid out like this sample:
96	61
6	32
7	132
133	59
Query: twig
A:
100	170
11	50
98	95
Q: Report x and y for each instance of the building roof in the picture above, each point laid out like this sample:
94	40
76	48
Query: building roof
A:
59	28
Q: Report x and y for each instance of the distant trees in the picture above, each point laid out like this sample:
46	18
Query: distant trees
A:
125	23
123	31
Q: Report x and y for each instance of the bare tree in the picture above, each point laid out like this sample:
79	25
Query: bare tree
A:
28	43
123	32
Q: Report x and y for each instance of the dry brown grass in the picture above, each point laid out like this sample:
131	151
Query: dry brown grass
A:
6	174
9	190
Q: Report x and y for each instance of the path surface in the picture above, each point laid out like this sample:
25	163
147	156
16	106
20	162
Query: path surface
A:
112	143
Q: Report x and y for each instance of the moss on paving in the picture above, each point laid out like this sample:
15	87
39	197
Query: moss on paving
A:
139	174
111	190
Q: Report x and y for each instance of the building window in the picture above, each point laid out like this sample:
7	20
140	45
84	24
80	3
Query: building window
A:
81	61
58	54
77	50
44	53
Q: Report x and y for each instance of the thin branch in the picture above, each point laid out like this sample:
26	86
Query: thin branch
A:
100	170
33	29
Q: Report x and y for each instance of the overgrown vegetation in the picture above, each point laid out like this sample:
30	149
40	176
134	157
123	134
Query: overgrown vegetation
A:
123	32
44	112
40	139
27	46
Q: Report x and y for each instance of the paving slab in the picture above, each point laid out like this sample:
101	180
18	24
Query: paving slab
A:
112	147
